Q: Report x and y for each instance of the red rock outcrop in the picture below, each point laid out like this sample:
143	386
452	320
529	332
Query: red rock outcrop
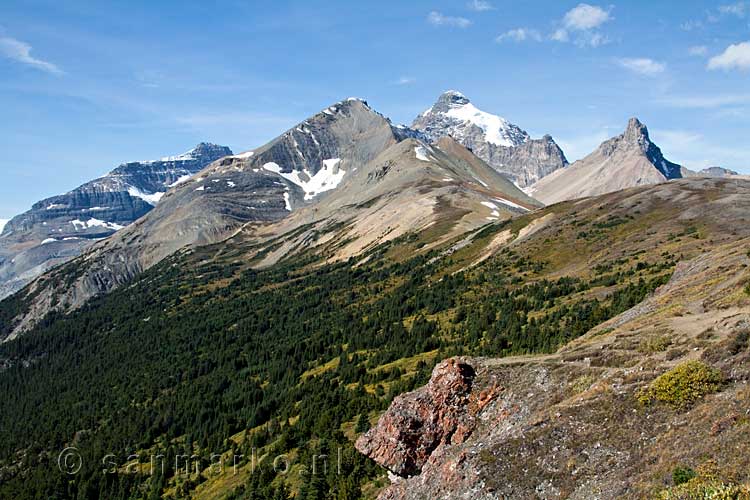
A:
418	423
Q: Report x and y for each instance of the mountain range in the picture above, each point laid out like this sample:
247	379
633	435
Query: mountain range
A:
314	161
449	309
57	229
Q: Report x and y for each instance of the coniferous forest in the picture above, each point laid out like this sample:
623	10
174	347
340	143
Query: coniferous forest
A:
202	362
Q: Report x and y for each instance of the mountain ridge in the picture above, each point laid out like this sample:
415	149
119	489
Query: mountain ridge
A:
60	227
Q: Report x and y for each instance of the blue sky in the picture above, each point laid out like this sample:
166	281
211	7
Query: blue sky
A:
85	86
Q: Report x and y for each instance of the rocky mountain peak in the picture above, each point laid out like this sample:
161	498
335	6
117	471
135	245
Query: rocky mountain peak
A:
636	137
627	160
504	146
209	149
448	100
636	132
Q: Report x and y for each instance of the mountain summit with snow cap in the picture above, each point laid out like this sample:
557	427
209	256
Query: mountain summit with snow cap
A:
504	146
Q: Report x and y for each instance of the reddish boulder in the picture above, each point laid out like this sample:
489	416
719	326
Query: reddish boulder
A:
418	423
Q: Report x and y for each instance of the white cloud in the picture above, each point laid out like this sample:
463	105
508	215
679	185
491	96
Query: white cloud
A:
642	66
21	52
405	80
480	6
735	56
736	9
520	35
580	24
585	17
560	35
437	19
698	50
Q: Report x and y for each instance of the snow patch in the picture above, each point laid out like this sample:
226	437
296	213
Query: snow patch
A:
92	222
494	127
3	222
200	188
49	240
231	184
325	179
287	204
180	180
511	204
150	198
55	206
246	154
188	155
421	153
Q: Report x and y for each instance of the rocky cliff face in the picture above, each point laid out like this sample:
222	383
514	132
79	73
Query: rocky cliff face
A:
627	160
59	228
504	146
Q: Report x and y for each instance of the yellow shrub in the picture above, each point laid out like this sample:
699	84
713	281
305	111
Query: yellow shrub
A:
683	385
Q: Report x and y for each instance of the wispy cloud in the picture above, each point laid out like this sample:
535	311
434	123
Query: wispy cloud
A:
520	35
698	50
438	19
580	25
405	80
19	51
738	9
691	25
736	56
480	6
712	16
642	66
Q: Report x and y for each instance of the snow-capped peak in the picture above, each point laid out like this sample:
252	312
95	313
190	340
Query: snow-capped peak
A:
459	112
496	129
187	155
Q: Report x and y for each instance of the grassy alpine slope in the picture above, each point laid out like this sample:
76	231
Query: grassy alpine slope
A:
205	354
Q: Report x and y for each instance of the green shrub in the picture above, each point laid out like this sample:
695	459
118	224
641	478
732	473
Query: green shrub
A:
701	489
682	475
683	385
654	344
